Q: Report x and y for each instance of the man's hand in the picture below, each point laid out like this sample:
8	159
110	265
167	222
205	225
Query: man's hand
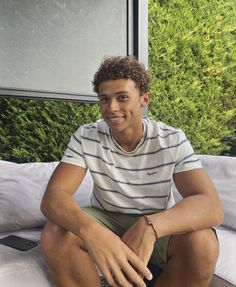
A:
119	265
140	238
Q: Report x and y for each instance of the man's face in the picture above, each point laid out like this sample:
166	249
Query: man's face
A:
121	104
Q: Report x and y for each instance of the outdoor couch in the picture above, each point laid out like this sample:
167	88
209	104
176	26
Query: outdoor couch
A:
21	190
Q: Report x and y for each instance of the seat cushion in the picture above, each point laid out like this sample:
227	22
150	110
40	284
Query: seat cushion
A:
23	268
222	170
225	272
21	191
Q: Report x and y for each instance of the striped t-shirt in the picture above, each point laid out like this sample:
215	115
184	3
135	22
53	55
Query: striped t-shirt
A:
135	182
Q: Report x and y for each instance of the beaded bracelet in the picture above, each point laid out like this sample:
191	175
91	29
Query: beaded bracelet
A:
149	222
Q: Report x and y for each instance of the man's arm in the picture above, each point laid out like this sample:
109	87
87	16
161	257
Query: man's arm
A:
60	207
58	204
200	207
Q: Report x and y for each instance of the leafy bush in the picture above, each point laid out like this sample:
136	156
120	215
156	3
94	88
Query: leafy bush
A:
192	63
34	130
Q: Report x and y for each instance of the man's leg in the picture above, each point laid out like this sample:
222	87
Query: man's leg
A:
192	259
67	259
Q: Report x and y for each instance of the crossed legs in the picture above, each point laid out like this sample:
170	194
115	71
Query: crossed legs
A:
192	259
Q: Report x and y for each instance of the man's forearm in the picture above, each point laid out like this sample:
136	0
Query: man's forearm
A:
64	211
191	213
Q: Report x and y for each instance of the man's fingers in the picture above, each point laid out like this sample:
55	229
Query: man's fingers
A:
141	268
133	276
122	280
122	273
117	279
120	265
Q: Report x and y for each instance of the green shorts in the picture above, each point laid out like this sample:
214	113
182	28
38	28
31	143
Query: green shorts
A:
120	222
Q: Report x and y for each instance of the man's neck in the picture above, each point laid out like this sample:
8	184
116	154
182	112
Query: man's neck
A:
129	141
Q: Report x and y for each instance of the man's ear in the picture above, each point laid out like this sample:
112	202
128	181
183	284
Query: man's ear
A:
145	99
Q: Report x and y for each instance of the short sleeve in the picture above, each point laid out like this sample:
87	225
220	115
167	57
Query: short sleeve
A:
74	152
185	157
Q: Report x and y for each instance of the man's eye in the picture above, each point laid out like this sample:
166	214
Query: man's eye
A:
103	100
123	97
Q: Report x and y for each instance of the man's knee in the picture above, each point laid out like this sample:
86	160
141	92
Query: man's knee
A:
205	251
48	235
198	251
56	239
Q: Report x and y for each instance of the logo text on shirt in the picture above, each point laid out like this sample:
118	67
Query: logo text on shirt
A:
152	173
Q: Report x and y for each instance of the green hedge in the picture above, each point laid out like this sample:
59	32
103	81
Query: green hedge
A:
192	55
34	130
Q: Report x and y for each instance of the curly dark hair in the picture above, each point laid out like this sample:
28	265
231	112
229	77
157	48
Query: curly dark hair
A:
119	67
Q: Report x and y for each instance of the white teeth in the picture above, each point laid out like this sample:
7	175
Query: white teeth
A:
115	119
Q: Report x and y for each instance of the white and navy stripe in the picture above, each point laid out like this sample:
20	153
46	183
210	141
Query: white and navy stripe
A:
131	182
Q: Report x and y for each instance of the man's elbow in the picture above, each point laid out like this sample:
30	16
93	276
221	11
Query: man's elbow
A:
219	211
221	216
44	205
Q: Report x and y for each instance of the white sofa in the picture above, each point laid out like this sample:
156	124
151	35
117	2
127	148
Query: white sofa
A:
21	190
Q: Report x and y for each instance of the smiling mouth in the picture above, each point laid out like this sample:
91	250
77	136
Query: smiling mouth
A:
115	119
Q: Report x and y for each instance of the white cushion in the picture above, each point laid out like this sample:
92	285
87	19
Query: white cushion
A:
226	264
21	190
222	170
23	269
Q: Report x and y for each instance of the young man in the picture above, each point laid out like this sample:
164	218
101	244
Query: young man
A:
133	161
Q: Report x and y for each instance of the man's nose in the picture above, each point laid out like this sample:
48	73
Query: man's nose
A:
114	105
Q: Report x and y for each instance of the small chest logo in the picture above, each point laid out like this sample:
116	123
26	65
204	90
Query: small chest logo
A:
151	173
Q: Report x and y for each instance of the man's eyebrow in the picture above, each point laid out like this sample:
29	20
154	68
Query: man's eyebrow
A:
121	92
102	95
117	93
